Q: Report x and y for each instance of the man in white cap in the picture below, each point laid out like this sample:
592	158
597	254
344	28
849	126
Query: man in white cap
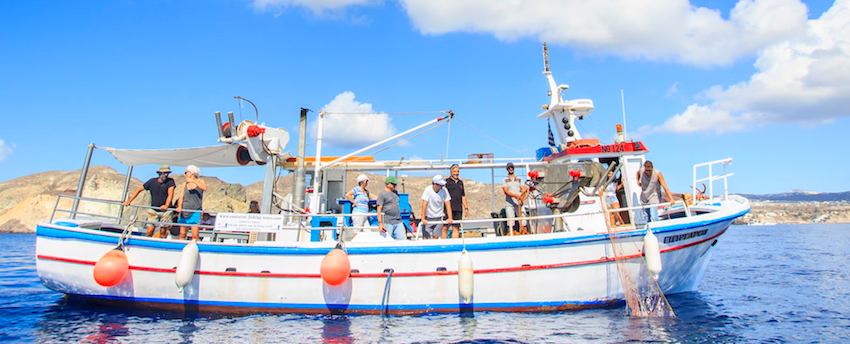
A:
359	197
436	202
162	191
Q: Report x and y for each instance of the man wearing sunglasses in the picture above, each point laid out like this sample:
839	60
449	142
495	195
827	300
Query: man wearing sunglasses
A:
162	191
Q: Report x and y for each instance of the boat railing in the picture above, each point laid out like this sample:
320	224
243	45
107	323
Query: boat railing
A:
710	178
130	215
122	217
667	205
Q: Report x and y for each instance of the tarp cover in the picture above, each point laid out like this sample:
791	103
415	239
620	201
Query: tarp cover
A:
213	156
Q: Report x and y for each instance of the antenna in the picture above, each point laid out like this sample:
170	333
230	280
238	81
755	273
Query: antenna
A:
545	58
623	104
256	111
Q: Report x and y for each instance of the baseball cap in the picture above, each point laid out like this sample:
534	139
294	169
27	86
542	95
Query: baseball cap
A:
390	180
438	179
509	165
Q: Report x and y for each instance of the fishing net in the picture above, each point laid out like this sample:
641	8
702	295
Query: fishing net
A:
644	297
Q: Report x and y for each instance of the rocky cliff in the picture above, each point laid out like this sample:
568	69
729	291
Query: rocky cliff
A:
25	201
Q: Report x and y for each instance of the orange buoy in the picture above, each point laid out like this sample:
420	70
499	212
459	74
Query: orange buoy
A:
111	268
335	267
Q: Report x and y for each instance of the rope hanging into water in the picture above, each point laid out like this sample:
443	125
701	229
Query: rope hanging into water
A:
403	113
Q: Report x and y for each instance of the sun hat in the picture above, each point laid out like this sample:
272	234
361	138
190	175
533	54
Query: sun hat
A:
438	179
362	178
193	170
164	169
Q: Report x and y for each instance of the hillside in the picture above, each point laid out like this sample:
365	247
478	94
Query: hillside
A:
25	201
801	196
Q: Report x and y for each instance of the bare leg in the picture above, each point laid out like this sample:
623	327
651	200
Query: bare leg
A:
445	232
195	233
183	232
150	229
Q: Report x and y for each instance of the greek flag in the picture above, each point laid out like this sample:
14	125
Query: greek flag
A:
551	136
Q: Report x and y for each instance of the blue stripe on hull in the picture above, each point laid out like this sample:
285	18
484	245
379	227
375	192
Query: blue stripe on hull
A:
235	306
59	233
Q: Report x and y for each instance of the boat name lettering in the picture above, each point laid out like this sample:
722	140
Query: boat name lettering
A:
680	237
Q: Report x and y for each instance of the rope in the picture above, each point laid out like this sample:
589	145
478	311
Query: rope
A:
428	112
386	295
126	233
448	137
497	141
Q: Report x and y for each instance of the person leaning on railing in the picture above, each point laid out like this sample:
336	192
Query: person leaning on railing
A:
162	191
651	183
190	203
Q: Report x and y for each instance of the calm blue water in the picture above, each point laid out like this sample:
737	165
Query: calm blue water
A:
765	284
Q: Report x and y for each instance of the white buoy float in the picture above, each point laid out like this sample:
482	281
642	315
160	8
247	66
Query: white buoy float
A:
186	267
652	253
465	277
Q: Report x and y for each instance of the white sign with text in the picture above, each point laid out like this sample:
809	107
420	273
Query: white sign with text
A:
243	222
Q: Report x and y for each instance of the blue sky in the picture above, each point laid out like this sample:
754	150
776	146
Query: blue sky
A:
764	82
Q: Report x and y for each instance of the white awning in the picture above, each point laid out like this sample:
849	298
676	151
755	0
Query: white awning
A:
212	156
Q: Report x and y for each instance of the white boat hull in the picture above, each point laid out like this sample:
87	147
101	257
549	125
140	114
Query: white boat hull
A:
544	272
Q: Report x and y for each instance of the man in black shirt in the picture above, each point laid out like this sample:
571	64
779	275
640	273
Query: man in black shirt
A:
458	202
162	191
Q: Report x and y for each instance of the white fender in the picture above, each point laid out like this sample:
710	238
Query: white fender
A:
465	277
652	253
186	267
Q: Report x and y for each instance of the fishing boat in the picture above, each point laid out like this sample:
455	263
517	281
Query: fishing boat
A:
298	254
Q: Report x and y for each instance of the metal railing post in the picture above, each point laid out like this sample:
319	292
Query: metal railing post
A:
126	191
710	182
82	183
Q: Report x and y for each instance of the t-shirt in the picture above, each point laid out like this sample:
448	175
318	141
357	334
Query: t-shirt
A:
159	192
361	200
435	200
388	201
514	185
192	200
456	190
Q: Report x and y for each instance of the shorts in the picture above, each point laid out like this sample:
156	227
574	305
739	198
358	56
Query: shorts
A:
456	216
193	219
154	216
395	231
432	231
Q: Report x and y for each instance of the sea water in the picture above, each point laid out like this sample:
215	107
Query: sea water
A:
785	283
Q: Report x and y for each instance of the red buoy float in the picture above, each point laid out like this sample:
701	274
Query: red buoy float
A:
335	267
111	268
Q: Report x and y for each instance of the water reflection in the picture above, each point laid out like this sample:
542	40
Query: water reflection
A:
468	324
336	329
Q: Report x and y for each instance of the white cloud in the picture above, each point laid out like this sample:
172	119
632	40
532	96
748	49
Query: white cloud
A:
655	30
703	118
5	150
317	7
674	88
804	80
350	123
